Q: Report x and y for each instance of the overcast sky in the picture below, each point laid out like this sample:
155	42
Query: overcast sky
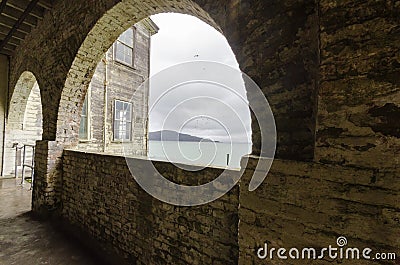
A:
199	108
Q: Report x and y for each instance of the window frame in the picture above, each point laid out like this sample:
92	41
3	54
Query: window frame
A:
86	101
130	122
132	48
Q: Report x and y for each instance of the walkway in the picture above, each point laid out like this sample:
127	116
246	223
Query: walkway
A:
25	241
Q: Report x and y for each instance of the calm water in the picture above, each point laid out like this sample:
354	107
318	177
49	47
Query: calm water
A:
203	153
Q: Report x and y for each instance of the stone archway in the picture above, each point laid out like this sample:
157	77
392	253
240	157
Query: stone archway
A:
24	122
113	23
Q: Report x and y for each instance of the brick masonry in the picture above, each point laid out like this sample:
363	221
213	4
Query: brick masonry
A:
106	202
102	198
305	204
46	195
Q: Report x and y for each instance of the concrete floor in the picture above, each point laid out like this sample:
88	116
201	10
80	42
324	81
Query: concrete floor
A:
24	240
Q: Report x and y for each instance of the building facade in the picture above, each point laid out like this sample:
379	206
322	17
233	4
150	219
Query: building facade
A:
114	117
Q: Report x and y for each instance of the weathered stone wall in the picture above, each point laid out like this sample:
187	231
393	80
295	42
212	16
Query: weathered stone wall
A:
3	103
101	197
359	98
279	51
46	195
305	204
123	83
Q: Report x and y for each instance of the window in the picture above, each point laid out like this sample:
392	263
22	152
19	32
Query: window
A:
122	120
124	48
84	126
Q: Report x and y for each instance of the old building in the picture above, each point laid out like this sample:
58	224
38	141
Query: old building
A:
330	70
115	109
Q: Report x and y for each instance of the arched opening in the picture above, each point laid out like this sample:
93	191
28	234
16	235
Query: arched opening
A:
201	123
115	116
23	127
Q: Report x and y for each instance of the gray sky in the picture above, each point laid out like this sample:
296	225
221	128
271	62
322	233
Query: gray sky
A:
201	109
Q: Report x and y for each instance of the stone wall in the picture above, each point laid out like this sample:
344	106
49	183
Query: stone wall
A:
304	204
100	197
359	98
47	185
123	83
279	51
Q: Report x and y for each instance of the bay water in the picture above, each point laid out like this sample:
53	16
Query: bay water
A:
209	154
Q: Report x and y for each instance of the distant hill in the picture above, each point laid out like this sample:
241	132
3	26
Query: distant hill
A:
168	135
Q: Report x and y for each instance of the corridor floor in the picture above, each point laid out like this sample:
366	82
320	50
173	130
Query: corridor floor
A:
25	241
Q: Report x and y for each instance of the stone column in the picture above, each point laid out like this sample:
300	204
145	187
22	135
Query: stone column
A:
46	197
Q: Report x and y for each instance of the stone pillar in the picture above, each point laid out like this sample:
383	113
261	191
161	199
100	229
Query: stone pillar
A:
278	49
3	103
46	198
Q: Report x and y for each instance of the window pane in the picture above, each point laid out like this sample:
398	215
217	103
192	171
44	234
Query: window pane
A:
123	53
128	113
127	37
116	130
122	120
118	108
119	105
83	127
84	108
127	55
127	131
119	52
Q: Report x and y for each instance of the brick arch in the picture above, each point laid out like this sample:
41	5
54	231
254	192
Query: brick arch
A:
24	119
107	29
19	100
